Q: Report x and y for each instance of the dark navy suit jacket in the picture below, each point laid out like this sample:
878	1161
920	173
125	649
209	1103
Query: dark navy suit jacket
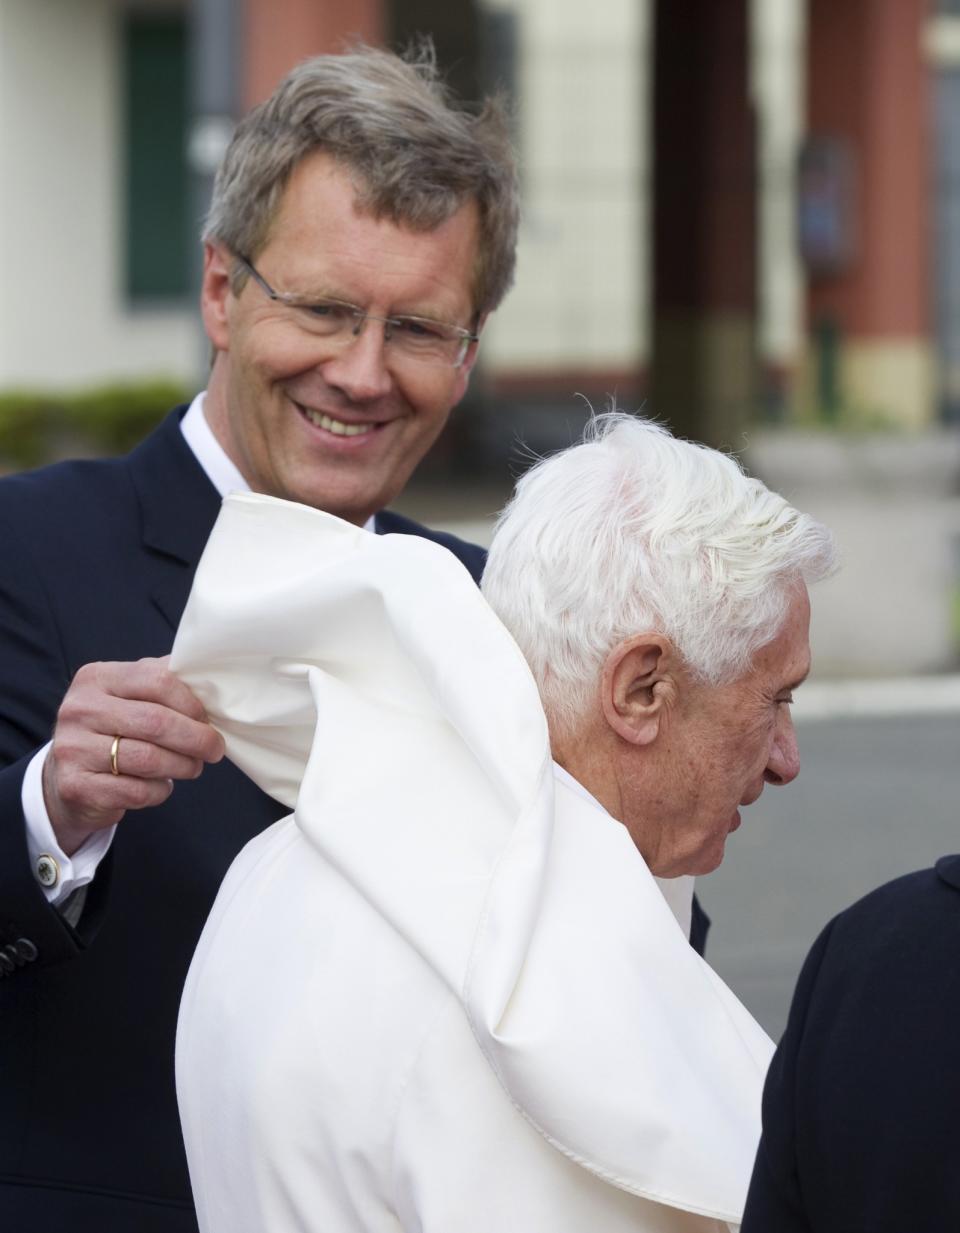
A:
96	561
861	1110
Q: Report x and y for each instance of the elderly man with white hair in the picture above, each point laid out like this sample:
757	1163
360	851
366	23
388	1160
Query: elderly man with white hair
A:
452	992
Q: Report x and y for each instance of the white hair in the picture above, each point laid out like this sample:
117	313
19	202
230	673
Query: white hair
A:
633	531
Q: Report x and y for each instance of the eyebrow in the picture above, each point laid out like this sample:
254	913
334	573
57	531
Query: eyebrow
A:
319	293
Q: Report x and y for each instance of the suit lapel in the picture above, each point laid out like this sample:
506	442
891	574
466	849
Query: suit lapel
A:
178	507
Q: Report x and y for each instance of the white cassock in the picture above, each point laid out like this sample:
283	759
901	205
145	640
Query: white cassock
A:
445	994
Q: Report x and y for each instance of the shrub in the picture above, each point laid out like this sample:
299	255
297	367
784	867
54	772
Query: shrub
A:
41	426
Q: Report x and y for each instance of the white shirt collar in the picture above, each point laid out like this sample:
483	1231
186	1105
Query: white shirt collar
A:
218	467
220	470
564	776
678	892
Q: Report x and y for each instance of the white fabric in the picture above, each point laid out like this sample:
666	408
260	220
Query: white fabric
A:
447	993
678	892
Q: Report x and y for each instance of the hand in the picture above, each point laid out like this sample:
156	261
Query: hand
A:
164	735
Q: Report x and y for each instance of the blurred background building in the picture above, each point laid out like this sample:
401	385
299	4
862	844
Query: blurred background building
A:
732	206
741	215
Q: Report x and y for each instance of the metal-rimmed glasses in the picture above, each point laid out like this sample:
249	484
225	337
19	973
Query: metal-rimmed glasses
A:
416	338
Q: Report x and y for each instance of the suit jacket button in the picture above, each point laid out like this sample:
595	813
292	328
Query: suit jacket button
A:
6	963
26	949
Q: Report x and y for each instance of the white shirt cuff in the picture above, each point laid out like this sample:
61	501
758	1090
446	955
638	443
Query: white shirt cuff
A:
59	875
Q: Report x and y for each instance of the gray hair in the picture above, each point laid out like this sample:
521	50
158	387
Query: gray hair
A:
635	531
415	157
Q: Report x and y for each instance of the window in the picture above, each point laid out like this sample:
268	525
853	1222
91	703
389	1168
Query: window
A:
159	239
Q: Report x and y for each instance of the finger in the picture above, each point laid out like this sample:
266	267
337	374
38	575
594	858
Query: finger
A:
83	801
143	760
102	797
169	730
88	717
144	680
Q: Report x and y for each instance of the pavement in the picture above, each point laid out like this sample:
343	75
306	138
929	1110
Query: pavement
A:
877	797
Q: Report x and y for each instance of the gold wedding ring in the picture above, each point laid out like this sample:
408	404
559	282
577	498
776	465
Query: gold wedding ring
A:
114	750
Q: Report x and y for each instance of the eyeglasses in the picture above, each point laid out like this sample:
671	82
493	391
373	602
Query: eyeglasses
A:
415	338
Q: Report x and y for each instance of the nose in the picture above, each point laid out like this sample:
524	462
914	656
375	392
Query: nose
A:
784	762
358	369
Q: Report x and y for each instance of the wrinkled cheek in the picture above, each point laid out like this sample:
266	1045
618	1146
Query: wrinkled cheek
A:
288	361
273	353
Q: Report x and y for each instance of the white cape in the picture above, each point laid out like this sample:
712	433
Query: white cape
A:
364	682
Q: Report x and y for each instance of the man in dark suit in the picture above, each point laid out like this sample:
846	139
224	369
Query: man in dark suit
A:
360	233
860	1110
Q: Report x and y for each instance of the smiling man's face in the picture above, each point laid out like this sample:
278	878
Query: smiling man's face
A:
339	427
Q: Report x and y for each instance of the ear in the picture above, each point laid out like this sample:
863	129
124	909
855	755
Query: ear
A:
638	687
215	295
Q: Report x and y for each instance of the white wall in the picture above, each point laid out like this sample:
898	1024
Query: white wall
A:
778	81
582	297
63	316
